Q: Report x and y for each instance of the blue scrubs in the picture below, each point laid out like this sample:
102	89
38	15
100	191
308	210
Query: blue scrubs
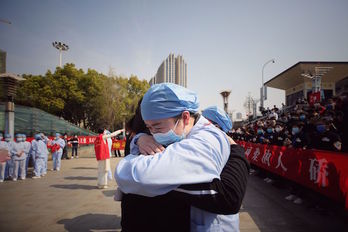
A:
40	152
57	156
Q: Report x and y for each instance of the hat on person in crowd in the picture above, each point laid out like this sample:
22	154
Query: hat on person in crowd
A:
57	134
1	135
218	116
167	100
7	136
37	136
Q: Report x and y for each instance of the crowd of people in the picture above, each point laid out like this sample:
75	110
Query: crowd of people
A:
20	152
320	126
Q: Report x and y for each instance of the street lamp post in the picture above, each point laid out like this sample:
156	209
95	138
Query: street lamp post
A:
262	94
225	95
61	47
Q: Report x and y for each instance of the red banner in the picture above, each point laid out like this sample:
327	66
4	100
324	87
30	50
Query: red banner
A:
118	144
325	172
314	98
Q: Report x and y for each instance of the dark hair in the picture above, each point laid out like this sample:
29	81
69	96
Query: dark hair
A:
136	124
100	131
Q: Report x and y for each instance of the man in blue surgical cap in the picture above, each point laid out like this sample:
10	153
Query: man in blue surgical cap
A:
40	152
196	151
58	143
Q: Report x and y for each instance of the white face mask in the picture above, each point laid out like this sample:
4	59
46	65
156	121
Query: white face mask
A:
168	137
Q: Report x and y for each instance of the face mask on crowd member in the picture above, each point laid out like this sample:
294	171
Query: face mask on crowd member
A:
278	129
18	138
295	130
321	128
302	117
7	137
24	137
259	131
269	130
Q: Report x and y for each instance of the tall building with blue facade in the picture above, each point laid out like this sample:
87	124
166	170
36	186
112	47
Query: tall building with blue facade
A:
172	70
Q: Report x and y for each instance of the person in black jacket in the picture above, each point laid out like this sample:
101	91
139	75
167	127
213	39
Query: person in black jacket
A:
75	144
65	149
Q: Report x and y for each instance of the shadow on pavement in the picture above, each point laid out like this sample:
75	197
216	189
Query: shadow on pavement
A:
85	168
74	186
92	222
80	178
109	193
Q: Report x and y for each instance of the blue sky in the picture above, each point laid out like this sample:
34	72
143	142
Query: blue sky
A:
225	43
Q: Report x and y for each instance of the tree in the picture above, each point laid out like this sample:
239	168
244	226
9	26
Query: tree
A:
91	100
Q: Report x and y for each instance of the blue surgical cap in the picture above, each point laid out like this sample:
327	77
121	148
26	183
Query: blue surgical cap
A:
38	137
8	135
217	115
167	100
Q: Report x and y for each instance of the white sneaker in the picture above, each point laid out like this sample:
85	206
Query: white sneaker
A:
291	197
58	169
36	177
1	181
269	181
22	178
77	157
14	179
266	179
52	169
298	201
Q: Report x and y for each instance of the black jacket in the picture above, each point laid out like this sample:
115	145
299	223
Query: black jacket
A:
171	212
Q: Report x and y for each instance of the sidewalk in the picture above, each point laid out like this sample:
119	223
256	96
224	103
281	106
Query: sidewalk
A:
61	201
68	201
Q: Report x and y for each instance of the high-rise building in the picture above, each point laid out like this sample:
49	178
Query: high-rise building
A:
172	70
180	71
2	61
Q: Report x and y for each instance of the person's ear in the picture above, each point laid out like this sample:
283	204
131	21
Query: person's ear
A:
186	117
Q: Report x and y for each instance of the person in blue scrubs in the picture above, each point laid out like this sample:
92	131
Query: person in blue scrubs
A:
40	152
18	158
57	155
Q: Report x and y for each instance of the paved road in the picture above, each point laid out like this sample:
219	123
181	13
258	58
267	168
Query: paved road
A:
265	204
69	201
